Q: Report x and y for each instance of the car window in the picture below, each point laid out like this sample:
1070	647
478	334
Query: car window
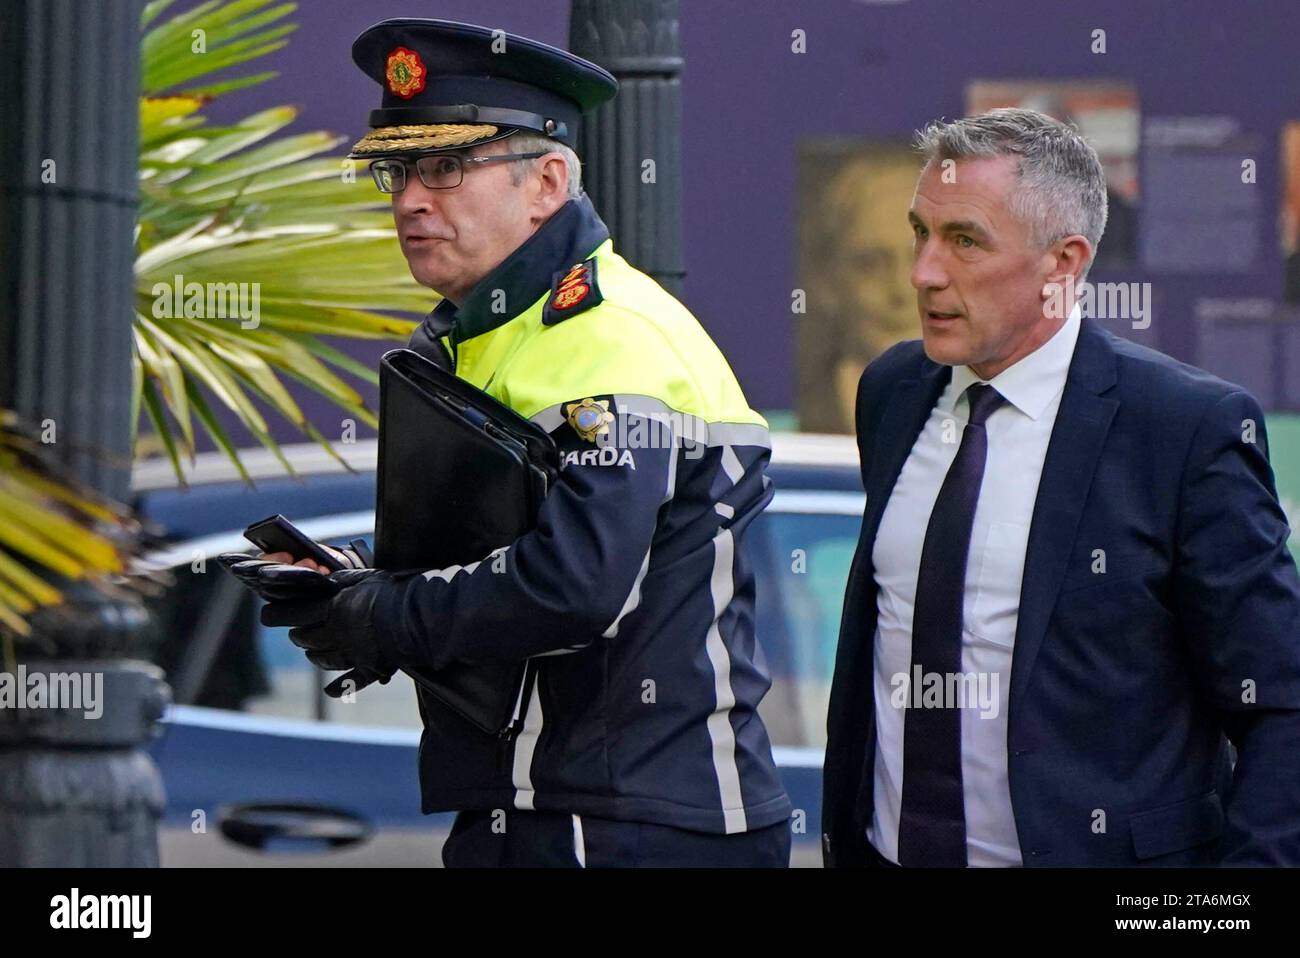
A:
801	567
296	681
217	654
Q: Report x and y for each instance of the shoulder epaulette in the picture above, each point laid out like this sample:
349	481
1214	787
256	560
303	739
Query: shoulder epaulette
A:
572	291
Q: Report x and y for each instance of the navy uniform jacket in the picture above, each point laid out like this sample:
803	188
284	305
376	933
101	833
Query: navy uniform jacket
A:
1127	687
633	599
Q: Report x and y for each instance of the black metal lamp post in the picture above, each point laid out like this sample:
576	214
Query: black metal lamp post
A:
76	788
631	146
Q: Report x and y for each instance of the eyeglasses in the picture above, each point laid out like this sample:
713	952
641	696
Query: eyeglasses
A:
437	171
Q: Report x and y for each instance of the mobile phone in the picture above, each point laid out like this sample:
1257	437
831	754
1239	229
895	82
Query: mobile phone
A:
277	534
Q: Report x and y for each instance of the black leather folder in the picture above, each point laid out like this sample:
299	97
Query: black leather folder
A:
460	474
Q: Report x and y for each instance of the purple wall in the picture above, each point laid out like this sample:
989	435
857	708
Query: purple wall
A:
874	70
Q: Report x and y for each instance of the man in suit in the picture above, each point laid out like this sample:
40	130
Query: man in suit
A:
1072	588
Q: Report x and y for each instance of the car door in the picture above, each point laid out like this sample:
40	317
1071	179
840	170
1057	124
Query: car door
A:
802	547
260	768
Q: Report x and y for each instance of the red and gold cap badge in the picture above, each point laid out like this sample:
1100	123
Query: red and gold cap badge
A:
405	72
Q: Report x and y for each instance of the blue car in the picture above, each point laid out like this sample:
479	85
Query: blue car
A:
262	769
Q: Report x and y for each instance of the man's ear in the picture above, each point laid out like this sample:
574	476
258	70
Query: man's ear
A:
1071	255
552	186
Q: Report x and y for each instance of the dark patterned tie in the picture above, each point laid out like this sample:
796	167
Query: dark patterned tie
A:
932	825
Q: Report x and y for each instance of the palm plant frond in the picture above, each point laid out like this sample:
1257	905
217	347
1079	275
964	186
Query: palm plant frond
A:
50	528
228	210
219	207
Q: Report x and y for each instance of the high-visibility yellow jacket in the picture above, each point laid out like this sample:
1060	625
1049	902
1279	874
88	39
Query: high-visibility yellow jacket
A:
633	599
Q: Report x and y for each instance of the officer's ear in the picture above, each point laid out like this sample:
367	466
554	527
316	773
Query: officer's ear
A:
551	185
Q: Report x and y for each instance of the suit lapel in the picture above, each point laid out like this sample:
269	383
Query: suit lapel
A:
1082	423
909	408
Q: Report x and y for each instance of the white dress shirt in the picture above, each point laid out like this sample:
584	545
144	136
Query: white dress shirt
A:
1018	434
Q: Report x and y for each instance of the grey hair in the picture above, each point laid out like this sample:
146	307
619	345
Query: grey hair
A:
1064	187
536	143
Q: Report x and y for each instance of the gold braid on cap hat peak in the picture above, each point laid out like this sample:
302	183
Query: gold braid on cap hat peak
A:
422	137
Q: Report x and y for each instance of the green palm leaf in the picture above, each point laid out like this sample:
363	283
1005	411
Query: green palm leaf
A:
49	529
244	204
219	205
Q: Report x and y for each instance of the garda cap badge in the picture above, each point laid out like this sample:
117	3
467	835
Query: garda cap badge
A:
589	418
572	291
405	72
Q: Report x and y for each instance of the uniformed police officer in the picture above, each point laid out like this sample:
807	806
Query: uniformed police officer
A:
639	741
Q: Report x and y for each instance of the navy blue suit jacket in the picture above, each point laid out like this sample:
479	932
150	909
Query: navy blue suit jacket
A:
1126	687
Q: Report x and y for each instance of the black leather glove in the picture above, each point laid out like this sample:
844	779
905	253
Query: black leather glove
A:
329	615
276	581
337	631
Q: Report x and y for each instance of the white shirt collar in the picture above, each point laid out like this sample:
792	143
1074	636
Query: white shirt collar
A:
1034	381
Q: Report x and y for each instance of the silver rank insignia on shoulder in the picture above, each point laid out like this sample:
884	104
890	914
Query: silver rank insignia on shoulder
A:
589	418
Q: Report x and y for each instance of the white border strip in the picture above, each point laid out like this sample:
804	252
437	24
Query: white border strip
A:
349	524
829	502
721	734
197	716
337	526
